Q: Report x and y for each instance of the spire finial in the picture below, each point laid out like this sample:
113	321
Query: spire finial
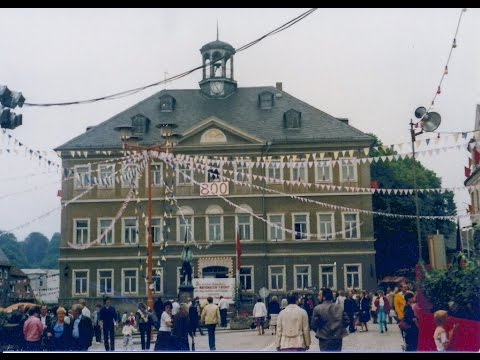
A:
217	29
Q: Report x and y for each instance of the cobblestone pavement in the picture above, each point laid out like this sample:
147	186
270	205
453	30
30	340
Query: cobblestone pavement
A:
248	340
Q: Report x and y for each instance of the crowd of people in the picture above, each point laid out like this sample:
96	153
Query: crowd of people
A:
291	320
76	329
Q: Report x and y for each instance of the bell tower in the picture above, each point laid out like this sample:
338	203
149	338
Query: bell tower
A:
217	75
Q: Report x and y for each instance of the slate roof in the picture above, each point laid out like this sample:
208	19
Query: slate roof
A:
240	109
3	259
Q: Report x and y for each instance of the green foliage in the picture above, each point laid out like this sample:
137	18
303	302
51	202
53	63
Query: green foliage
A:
13	250
35	248
456	289
53	252
396	238
35	252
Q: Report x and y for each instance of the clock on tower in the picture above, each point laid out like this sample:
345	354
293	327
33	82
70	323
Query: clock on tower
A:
216	88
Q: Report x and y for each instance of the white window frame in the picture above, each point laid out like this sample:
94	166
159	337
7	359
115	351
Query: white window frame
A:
207	223
112	231
246	165
297	165
181	168
328	165
99	293
344	230
181	238
110	176
123	282
152	167
332	217
308	226
125	184
274	180
348	163
309	276
160	232
252	276
284	274
161	280
269	227
75	230
74	280
123	230
320	273
77	185
237	225
360	286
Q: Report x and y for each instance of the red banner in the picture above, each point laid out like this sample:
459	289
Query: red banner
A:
467	337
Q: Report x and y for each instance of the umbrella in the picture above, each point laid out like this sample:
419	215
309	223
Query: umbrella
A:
15	306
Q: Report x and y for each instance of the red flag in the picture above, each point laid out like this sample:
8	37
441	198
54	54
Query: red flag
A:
59	193
476	156
467	171
374	184
239	249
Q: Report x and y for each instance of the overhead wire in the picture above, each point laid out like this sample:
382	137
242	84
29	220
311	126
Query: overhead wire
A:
178	76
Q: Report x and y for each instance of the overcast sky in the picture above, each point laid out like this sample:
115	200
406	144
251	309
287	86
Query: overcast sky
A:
373	66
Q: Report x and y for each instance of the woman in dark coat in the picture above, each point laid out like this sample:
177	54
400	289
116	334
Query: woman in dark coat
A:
145	323
181	329
411	334
364	311
58	333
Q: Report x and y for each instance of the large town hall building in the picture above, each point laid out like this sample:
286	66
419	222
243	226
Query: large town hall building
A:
268	147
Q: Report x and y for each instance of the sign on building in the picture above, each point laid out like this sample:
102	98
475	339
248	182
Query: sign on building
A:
215	288
214	188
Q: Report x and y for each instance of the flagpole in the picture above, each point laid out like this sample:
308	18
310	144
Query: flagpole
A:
237	275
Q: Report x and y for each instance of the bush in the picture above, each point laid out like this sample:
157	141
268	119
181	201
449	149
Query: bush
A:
456	289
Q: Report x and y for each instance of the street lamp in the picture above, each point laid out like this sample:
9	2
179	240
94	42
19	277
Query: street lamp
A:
129	141
429	121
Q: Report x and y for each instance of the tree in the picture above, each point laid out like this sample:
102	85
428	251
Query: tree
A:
13	250
35	247
51	259
396	238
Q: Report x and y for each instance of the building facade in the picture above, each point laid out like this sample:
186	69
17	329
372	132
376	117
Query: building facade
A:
252	161
45	284
472	235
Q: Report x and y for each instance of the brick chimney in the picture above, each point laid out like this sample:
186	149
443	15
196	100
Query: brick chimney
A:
279	86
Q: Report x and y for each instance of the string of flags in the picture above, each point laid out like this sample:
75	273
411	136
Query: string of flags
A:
329	187
330	206
310	159
48	213
103	234
274	225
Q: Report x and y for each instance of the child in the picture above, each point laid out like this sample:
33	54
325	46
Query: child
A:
127	332
442	339
132	319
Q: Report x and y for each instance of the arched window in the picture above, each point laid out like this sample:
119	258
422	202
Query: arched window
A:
265	100
184	223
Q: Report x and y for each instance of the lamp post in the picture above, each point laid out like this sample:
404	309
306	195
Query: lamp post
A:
428	122
129	143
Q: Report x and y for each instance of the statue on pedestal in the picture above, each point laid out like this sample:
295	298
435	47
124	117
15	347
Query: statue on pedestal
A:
186	272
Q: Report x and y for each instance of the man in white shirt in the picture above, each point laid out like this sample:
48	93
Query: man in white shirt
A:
175	307
340	298
223	306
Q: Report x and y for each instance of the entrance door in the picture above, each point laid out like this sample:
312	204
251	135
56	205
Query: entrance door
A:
218	272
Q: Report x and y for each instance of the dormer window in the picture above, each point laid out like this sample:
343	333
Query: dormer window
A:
167	103
140	124
292	119
265	100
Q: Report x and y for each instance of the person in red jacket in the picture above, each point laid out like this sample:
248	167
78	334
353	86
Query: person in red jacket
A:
383	308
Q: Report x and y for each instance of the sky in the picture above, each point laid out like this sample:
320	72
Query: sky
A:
372	66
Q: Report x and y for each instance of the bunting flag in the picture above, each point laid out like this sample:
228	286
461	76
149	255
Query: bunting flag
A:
467	171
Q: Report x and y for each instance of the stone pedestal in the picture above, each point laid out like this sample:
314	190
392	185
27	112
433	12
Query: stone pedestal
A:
184	293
